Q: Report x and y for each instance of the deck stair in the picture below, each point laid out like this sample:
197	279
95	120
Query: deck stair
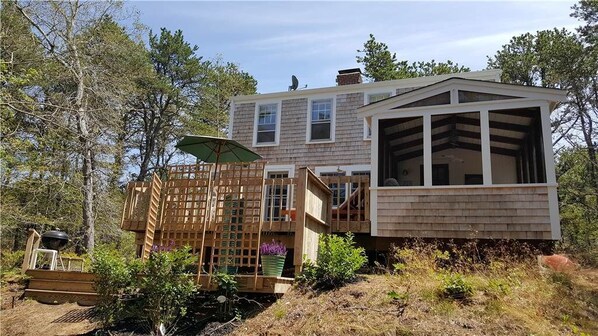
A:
56	287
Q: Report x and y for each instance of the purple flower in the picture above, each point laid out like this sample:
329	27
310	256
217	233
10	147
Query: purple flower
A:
273	248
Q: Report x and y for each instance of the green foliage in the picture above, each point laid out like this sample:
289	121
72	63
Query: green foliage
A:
578	206
380	64
115	278
11	260
166	287
455	286
221	81
226	294
338	260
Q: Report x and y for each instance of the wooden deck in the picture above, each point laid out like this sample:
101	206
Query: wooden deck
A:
55	287
251	284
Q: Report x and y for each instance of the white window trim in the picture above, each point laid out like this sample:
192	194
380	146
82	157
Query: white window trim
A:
332	121
280	168
347	169
290	169
366	101
277	127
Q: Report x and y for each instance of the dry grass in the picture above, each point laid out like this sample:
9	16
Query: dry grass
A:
510	298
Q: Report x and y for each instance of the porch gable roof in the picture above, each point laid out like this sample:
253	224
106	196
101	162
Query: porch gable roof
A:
453	85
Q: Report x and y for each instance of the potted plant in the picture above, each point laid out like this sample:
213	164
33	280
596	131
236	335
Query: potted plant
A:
273	255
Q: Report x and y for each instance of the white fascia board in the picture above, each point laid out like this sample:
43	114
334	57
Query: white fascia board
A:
459	108
392	85
525	92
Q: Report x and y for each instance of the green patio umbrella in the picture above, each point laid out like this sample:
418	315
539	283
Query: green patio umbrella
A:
216	150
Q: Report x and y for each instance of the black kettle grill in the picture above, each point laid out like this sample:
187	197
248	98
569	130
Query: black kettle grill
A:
54	240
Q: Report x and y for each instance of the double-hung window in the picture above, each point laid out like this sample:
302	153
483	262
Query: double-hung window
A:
267	125
372	98
321	120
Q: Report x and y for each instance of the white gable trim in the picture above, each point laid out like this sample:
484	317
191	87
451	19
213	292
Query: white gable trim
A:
453	85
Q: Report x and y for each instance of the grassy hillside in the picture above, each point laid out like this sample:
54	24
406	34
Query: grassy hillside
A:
506	297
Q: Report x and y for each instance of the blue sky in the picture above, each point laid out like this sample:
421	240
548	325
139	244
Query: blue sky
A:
313	40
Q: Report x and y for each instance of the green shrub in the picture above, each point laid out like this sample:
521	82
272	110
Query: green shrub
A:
455	286
227	290
11	260
115	277
166	287
338	260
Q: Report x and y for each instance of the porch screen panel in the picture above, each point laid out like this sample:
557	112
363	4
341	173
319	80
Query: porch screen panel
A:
237	219
184	213
517	146
456	150
400	151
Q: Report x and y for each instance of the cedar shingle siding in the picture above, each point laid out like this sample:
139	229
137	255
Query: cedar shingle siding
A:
349	148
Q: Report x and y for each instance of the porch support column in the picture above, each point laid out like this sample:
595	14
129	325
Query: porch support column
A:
374	125
427	150
553	201
486	155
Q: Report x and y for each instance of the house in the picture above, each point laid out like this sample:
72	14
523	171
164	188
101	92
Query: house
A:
446	157
450	156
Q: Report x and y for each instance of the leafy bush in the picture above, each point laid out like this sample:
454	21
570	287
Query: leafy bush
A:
115	277
166	287
227	290
338	260
455	286
11	260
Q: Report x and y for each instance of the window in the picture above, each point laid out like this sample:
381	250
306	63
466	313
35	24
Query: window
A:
372	98
341	191
338	190
267	125
277	197
321	120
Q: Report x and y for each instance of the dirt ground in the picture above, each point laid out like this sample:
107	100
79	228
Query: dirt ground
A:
32	318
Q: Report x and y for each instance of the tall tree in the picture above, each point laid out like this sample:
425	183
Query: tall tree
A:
162	110
557	58
380	64
80	93
221	81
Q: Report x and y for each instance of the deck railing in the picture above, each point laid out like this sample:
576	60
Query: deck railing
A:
350	204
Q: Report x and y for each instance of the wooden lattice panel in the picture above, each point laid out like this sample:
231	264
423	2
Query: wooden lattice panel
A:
152	216
237	216
136	206
185	205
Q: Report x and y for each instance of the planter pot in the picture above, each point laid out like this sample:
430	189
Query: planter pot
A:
272	265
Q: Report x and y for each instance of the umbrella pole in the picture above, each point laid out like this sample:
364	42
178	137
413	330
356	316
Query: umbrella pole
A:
203	237
207	221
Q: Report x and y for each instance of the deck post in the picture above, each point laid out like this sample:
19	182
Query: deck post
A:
300	219
33	241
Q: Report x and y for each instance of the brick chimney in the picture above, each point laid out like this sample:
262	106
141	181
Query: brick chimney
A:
348	77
